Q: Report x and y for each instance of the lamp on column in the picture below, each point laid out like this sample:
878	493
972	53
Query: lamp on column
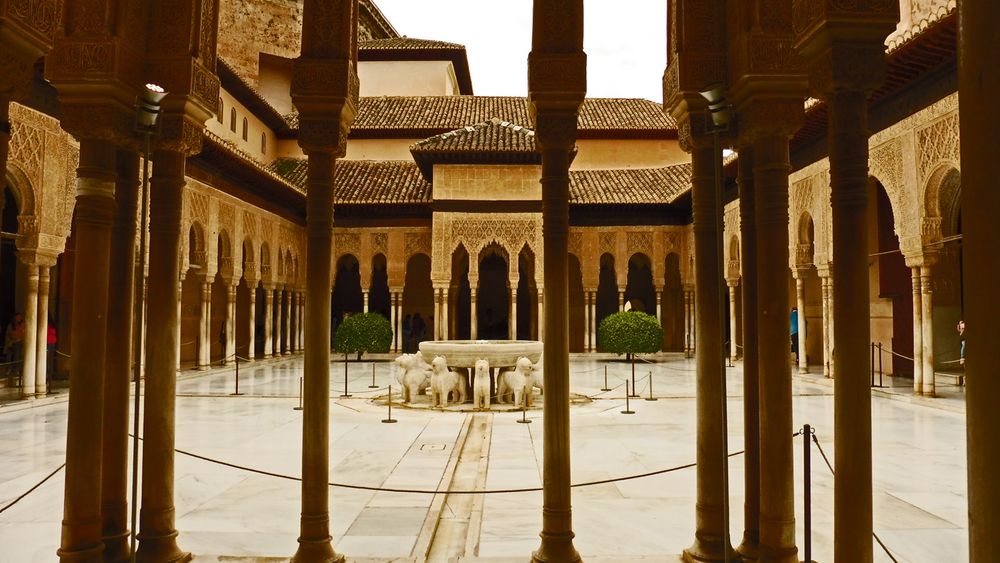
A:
721	114
147	114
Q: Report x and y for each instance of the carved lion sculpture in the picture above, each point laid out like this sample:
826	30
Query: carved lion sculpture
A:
413	375
518	383
481	385
443	382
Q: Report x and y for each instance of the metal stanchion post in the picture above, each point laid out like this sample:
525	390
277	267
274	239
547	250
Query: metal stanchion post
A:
627	409
373	386
635	390
880	364
606	388
298	408
873	363
807	501
524	419
237	377
650	379
389	420
346	395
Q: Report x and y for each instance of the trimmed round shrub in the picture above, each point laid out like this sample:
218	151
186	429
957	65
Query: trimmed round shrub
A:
630	332
363	332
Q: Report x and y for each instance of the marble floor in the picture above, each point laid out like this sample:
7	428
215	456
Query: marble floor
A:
919	470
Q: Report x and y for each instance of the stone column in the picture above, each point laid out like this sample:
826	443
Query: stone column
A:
436	329
592	320
41	341
927	320
688	322
659	303
230	351
268	321
314	537
586	321
555	134
252	321
777	483
81	522
979	86
541	315
157	534
474	326
444	314
852	397
918	334
732	319
393	319
285	321
204	327
711	540
28	345
364	296
180	291
621	299
513	313
750	546
120	355
294	319
800	303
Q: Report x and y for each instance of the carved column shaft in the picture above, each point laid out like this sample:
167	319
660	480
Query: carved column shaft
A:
204	327
81	524
444	314
733	321
848	144
230	352
777	490
157	534
474	317
710	543
252	321
268	321
117	375
979	86
918	334
827	315
29	344
41	340
751	379
800	303
927	320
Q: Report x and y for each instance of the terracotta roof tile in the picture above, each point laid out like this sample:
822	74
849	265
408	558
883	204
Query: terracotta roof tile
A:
365	181
644	186
493	135
406	43
445	113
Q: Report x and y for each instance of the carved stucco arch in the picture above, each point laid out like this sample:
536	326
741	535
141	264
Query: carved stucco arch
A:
23	191
805	240
733	266
932	214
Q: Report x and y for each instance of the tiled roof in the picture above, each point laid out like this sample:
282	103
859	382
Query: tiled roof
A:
399	182
365	181
644	186
405	43
446	113
489	136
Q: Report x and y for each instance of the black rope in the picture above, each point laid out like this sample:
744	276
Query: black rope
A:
32	489
830	467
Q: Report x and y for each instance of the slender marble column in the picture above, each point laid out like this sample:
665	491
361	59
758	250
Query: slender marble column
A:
204	327
268	321
688	322
848	129
314	537
444	314
749	547
777	483
800	302
591	321
732	320
118	373
285	314
927	320
513	313
979	87
230	352
157	534
437	315
364	295
29	343
180	291
81	523
252	321
827	315
659	303
394	319
41	341
711	541
295	320
621	299
474	317
918	334
541	315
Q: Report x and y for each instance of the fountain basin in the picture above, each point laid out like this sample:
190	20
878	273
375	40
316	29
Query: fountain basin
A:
464	353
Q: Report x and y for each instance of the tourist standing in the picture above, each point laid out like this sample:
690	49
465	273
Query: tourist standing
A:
794	319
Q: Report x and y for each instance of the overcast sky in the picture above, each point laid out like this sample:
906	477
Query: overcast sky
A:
625	41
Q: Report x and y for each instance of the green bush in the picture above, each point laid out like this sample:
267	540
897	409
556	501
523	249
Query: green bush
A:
363	332
630	332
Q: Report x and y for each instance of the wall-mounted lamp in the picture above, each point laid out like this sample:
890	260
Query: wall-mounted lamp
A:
148	107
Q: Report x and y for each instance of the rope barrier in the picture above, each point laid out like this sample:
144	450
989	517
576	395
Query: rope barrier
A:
12	363
830	467
893	352
32	489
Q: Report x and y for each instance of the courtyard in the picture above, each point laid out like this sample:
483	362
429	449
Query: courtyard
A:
230	511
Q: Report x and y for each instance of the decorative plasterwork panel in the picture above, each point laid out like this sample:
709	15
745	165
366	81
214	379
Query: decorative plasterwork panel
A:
640	241
607	242
936	143
575	243
416	243
380	243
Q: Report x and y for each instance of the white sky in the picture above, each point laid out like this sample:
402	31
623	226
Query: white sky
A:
625	41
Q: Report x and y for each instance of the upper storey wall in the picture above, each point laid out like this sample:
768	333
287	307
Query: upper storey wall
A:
912	12
407	78
248	28
631	153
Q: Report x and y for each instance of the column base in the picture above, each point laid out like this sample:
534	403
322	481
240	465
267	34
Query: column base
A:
749	550
317	551
160	549
803	369
92	553
783	556
116	547
707	551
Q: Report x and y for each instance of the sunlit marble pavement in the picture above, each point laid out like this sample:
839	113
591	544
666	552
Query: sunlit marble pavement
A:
920	479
